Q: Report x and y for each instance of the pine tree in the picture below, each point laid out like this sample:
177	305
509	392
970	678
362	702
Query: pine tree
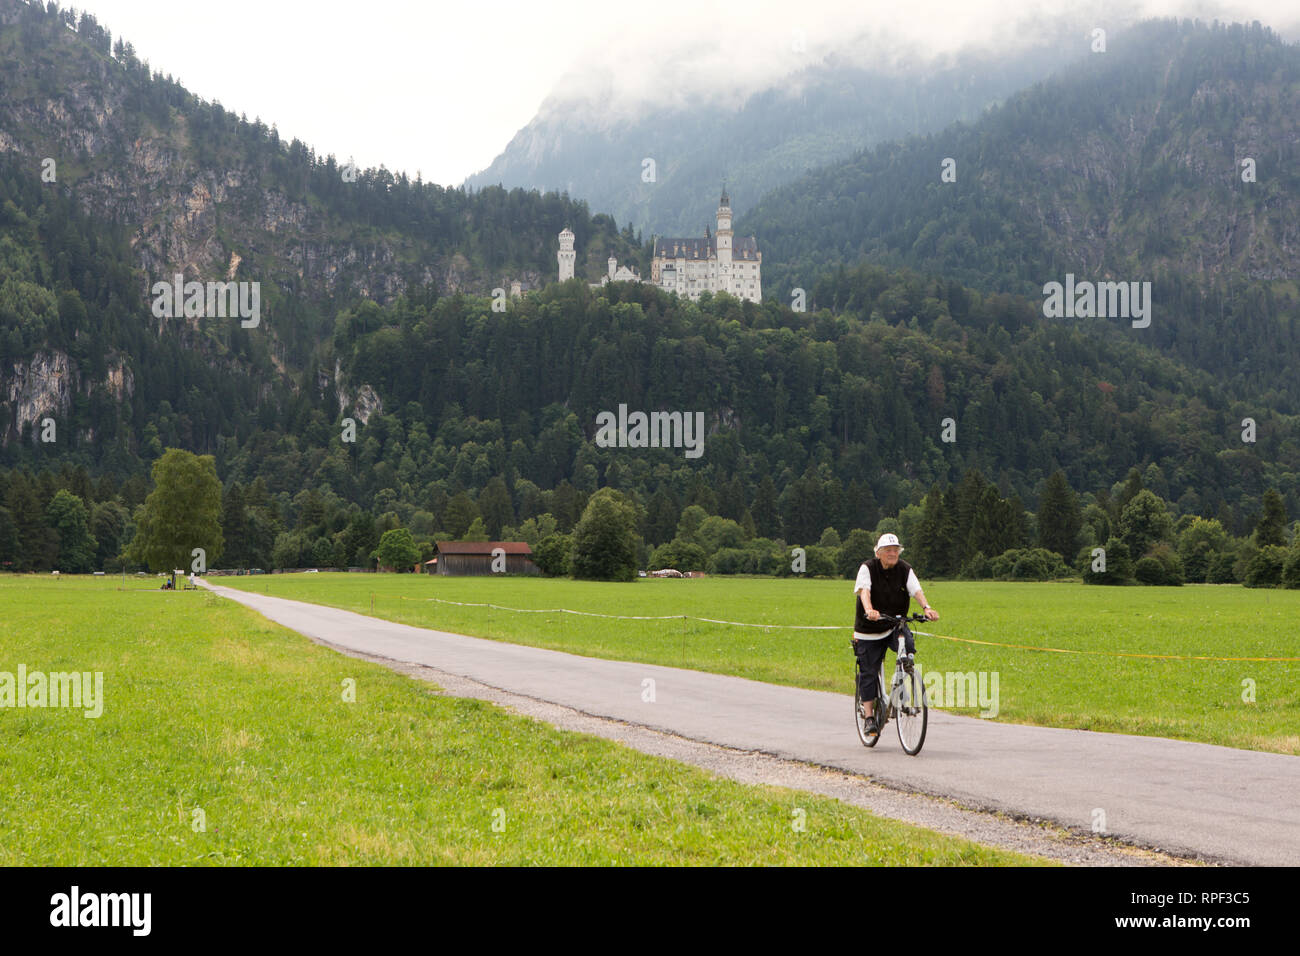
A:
1271	527
859	506
969	493
988	532
662	515
767	519
495	507
1059	517
1132	485
234	527
802	513
932	552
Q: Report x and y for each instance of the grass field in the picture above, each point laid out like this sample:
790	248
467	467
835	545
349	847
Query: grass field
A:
1188	699
213	714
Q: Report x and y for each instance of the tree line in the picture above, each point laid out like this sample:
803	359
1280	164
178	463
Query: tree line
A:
1123	535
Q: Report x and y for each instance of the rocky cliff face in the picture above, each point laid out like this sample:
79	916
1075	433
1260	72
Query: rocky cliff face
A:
189	217
46	386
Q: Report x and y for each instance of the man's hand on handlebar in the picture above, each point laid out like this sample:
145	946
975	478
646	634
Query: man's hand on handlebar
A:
931	614
873	614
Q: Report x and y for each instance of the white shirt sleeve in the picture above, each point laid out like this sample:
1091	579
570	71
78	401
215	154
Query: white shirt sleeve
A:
863	583
913	585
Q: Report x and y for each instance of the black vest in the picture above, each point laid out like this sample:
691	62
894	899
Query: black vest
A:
888	596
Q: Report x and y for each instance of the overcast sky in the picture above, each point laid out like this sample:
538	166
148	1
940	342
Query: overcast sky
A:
440	87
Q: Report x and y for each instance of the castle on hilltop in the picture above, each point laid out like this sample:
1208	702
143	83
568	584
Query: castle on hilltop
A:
718	262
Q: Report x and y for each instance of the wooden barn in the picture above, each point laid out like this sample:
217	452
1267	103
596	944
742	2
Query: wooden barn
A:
477	557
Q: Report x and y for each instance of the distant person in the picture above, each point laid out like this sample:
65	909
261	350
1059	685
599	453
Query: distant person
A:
885	585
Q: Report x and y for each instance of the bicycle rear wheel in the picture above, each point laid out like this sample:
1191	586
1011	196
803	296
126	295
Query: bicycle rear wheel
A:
913	713
867	739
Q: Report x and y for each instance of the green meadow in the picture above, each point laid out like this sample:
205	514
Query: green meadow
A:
1236	703
228	740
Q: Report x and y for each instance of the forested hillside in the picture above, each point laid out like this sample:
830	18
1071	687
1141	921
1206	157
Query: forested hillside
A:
1127	165
815	421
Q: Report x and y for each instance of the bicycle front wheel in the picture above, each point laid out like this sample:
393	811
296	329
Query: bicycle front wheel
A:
913	713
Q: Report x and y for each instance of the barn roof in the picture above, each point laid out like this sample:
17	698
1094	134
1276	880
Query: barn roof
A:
483	547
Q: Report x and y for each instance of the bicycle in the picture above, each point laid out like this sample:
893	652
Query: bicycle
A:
907	702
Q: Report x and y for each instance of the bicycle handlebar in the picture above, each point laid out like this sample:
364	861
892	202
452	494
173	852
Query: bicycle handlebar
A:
918	618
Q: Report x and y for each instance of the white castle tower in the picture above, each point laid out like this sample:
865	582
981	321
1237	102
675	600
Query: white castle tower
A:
724	242
566	255
720	262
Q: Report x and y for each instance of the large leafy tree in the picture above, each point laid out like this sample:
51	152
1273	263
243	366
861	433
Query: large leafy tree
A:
182	513
858	547
1198	545
1144	522
397	549
552	554
604	541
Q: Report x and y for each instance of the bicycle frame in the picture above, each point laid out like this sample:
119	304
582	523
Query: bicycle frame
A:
896	685
889	700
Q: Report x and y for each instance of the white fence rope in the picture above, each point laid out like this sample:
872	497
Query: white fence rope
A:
633	617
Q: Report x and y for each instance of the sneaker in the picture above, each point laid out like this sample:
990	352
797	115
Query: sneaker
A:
870	728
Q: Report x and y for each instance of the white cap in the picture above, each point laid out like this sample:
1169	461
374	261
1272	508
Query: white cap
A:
889	539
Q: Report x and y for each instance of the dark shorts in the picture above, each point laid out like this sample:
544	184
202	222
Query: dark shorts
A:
870	654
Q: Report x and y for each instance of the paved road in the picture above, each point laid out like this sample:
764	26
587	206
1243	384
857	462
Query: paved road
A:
1227	805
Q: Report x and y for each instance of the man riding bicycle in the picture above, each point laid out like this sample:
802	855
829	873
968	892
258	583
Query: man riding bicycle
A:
885	585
